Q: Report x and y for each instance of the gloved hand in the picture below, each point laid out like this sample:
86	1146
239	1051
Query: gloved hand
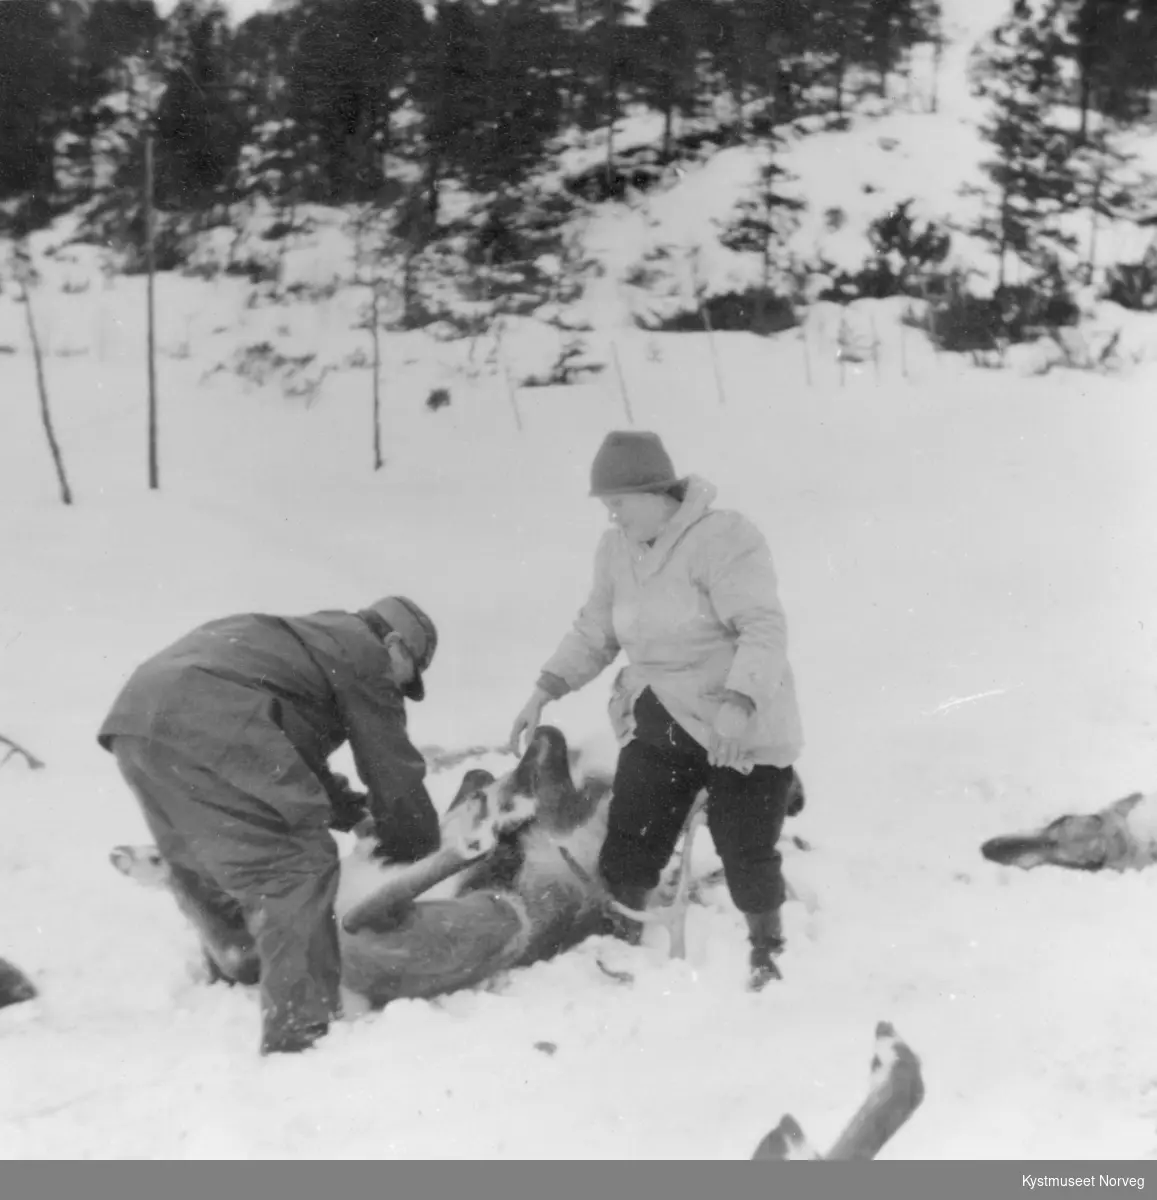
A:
348	807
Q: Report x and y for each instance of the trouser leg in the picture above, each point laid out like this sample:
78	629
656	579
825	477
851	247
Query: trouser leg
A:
652	794
219	918
745	815
238	857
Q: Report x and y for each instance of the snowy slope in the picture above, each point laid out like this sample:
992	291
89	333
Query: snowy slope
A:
969	565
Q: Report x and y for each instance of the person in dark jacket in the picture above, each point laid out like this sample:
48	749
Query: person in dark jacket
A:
224	739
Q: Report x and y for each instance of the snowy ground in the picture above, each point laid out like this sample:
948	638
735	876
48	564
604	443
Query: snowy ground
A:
951	535
969	563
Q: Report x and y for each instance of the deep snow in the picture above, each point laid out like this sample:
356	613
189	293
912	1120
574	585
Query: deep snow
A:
969	563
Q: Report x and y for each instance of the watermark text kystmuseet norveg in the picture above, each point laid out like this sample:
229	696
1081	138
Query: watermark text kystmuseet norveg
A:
1137	1182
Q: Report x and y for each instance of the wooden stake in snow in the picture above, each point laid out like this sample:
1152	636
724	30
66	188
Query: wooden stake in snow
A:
511	388
622	384
807	358
706	317
150	256
375	334
42	388
895	1092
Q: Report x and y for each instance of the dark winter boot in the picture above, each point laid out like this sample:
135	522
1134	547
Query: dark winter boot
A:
15	986
292	1040
625	928
766	935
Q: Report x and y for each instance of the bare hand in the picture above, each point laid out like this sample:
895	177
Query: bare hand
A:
527	720
725	747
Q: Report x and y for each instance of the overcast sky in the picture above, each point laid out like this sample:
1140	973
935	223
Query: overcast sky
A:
238	9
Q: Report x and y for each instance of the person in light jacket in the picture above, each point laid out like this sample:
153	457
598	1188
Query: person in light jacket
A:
707	698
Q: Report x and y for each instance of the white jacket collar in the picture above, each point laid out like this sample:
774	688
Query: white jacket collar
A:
697	502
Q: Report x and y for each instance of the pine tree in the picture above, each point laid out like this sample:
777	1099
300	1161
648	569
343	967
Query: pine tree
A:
670	56
605	51
1098	32
1031	169
450	89
523	105
34	94
198	134
762	221
115	34
352	61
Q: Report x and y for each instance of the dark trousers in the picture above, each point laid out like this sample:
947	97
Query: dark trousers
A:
248	876
659	774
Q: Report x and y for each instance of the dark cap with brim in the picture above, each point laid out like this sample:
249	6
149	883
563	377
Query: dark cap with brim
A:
403	617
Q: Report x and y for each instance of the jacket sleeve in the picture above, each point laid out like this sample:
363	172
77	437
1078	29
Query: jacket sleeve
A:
388	763
349	807
590	646
743	588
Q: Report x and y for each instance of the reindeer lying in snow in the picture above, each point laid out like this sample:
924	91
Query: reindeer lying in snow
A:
1120	837
521	853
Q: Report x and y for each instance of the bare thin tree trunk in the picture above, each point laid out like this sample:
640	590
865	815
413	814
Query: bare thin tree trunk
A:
612	89
42	388
937	58
378	462
512	393
841	76
150	252
706	318
1091	266
626	397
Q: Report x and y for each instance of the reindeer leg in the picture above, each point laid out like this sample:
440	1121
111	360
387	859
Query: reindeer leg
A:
383	910
896	1091
787	1142
468	834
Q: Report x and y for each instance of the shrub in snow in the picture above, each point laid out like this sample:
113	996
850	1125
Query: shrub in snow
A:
572	363
751	311
962	322
904	255
1134	285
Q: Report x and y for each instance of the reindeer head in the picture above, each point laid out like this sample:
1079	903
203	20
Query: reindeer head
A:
482	812
141	864
543	778
1076	841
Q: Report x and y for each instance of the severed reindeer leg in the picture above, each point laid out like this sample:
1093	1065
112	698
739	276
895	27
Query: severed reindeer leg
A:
896	1090
673	916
